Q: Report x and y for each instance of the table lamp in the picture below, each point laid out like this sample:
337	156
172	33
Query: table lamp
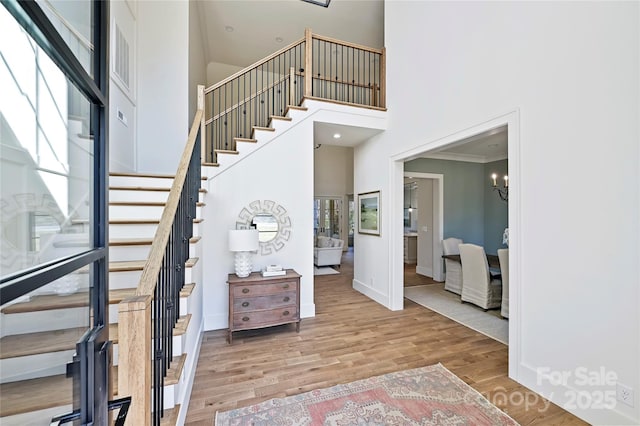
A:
243	242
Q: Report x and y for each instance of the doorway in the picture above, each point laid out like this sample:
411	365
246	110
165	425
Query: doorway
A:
327	217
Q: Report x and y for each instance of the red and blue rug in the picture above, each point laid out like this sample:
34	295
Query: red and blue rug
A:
423	396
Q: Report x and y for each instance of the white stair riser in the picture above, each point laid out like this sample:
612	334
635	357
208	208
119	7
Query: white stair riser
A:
57	319
113	310
138	196
34	366
295	114
140	231
137	252
131	230
140	212
130	195
281	125
140	181
130	279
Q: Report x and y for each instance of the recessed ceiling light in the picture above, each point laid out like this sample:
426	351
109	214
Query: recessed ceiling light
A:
228	29
337	135
279	39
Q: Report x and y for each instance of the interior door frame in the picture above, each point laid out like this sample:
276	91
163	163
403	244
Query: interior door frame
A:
438	220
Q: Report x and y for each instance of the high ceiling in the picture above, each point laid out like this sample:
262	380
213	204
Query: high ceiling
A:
241	32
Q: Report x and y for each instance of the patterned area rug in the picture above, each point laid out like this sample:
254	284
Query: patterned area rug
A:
324	270
423	396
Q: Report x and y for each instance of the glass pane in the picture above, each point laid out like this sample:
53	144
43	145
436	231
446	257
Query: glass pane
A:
46	157
72	19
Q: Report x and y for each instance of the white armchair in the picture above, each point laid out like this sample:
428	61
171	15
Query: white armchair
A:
453	276
503	256
328	251
477	285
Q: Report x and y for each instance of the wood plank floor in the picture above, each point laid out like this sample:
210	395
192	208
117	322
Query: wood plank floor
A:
352	338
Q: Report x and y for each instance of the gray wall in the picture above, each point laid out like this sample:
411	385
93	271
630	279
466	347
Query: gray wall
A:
496	211
471	210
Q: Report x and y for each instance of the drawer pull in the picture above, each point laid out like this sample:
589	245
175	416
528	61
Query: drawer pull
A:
245	290
285	286
245	319
286	299
285	313
245	304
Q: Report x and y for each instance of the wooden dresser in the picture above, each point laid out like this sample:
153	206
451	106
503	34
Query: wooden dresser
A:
258	302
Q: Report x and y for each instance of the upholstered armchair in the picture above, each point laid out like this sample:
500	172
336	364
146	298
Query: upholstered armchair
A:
453	276
503	256
478	287
328	251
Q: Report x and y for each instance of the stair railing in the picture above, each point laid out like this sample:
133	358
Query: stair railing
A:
146	320
314	67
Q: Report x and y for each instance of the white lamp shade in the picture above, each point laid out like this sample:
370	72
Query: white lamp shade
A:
243	240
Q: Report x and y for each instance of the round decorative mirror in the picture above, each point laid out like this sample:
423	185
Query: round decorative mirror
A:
267	227
272	222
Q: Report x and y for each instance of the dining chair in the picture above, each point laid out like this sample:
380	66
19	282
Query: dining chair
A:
503	256
478	287
453	275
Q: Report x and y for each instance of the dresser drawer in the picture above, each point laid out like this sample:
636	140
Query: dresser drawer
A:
264	289
265	318
246	304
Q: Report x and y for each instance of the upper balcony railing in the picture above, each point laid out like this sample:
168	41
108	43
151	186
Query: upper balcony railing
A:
314	67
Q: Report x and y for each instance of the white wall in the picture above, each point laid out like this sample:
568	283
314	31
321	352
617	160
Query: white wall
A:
197	62
568	73
333	171
122	148
163	83
217	71
265	174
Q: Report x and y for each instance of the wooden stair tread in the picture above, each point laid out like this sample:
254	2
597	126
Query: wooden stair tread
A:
279	117
25	396
245	140
137	265
146	175
42	342
210	164
175	371
76	300
145	203
296	107
267	129
182	325
142	221
226	151
140	241
170	417
146	188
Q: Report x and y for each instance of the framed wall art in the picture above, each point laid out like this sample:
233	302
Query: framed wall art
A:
369	213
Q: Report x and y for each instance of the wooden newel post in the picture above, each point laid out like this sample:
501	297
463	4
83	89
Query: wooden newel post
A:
203	139
308	62
383	78
134	357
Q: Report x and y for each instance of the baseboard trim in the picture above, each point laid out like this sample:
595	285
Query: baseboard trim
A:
571	398
423	270
372	293
308	310
216	322
184	404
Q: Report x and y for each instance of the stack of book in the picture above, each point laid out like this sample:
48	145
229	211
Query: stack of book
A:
273	271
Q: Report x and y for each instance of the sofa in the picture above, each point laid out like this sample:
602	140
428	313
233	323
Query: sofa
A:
328	251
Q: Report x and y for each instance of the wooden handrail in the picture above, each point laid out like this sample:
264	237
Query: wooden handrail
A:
149	277
252	66
346	43
245	100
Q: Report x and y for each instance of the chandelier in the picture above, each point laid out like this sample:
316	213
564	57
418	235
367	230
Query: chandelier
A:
504	191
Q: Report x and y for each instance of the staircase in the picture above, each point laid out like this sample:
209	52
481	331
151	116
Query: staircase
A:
40	333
